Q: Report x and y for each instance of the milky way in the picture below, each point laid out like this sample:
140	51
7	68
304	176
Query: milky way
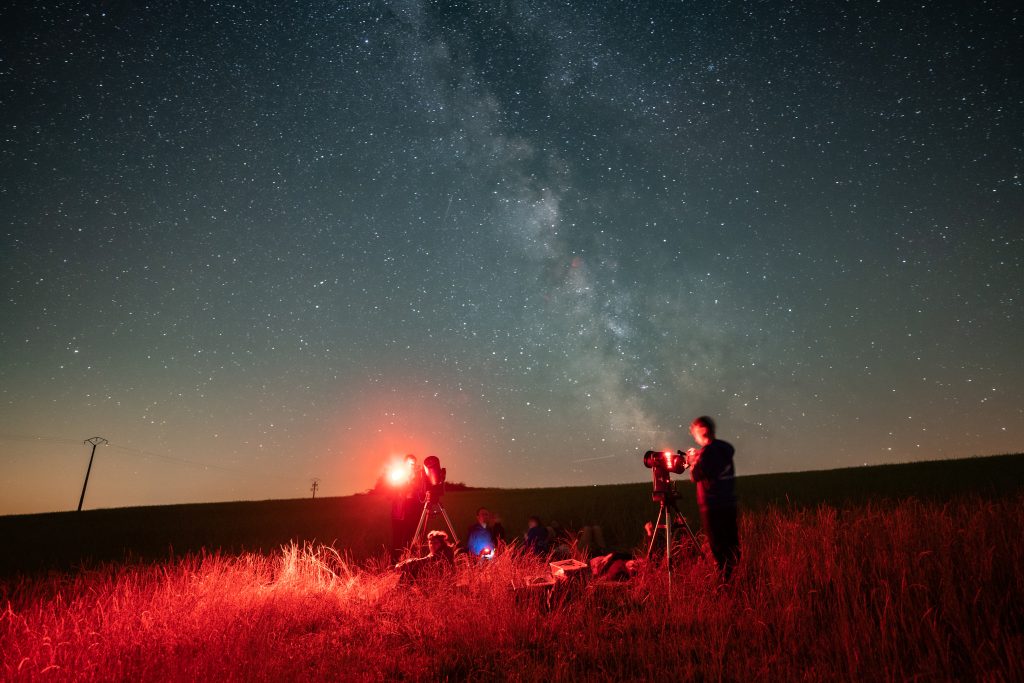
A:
253	246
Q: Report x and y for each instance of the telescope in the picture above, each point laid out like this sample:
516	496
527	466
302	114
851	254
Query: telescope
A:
662	465
666	460
435	476
433	480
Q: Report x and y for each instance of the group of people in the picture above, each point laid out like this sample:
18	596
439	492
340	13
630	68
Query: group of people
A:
711	469
483	540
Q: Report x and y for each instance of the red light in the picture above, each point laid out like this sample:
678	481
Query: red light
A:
398	474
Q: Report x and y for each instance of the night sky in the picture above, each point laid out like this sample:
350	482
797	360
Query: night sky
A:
253	246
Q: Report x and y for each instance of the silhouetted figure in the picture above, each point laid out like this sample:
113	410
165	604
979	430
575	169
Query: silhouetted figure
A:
712	470
439	561
406	505
536	536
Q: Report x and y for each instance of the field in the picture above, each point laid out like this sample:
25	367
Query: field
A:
923	581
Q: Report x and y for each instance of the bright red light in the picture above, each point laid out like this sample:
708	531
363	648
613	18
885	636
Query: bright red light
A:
398	474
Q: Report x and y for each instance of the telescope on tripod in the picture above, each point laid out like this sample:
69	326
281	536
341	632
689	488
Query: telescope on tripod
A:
434	476
662	464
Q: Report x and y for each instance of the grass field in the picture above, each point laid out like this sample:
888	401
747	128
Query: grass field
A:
925	582
360	524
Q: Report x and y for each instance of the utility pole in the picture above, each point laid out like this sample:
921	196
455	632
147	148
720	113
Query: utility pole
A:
95	441
315	486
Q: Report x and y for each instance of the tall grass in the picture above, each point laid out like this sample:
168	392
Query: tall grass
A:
897	591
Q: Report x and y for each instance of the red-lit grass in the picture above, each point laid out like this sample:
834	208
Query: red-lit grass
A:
892	591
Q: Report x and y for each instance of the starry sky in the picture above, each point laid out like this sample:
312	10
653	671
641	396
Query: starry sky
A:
252	244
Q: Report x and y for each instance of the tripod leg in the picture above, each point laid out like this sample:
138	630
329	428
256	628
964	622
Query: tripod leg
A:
448	521
681	521
654	532
421	526
668	551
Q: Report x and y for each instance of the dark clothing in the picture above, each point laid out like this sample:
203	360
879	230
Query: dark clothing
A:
715	476
537	540
723	537
479	538
431	566
405	515
406	508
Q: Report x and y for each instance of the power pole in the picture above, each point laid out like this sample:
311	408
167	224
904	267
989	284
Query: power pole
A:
315	486
95	441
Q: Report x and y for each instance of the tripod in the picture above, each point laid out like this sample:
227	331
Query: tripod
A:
431	506
667	514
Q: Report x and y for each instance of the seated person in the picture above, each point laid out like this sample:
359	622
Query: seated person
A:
614	567
439	560
536	536
484	538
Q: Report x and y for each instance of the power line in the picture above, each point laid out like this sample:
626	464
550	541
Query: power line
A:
28	437
183	461
128	450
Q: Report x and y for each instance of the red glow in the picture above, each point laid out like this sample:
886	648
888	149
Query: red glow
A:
398	474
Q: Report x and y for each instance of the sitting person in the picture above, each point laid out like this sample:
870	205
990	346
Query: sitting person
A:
614	567
536	536
439	560
483	539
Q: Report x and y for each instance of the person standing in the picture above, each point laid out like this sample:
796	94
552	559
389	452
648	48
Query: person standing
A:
713	472
406	503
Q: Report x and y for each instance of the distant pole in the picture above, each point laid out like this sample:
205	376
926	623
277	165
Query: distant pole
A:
95	441
315	486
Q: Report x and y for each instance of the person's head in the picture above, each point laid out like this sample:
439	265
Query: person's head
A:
703	430
483	515
533	521
437	541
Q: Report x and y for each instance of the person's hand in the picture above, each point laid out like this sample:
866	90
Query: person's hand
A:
691	457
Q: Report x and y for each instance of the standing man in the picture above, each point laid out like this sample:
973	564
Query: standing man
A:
406	504
712	470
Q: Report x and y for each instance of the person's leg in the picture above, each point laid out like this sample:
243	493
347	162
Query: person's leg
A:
709	521
728	532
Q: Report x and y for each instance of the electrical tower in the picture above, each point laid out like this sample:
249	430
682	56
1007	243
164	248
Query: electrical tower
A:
95	441
315	485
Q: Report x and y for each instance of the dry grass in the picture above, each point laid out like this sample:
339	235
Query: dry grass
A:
899	591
